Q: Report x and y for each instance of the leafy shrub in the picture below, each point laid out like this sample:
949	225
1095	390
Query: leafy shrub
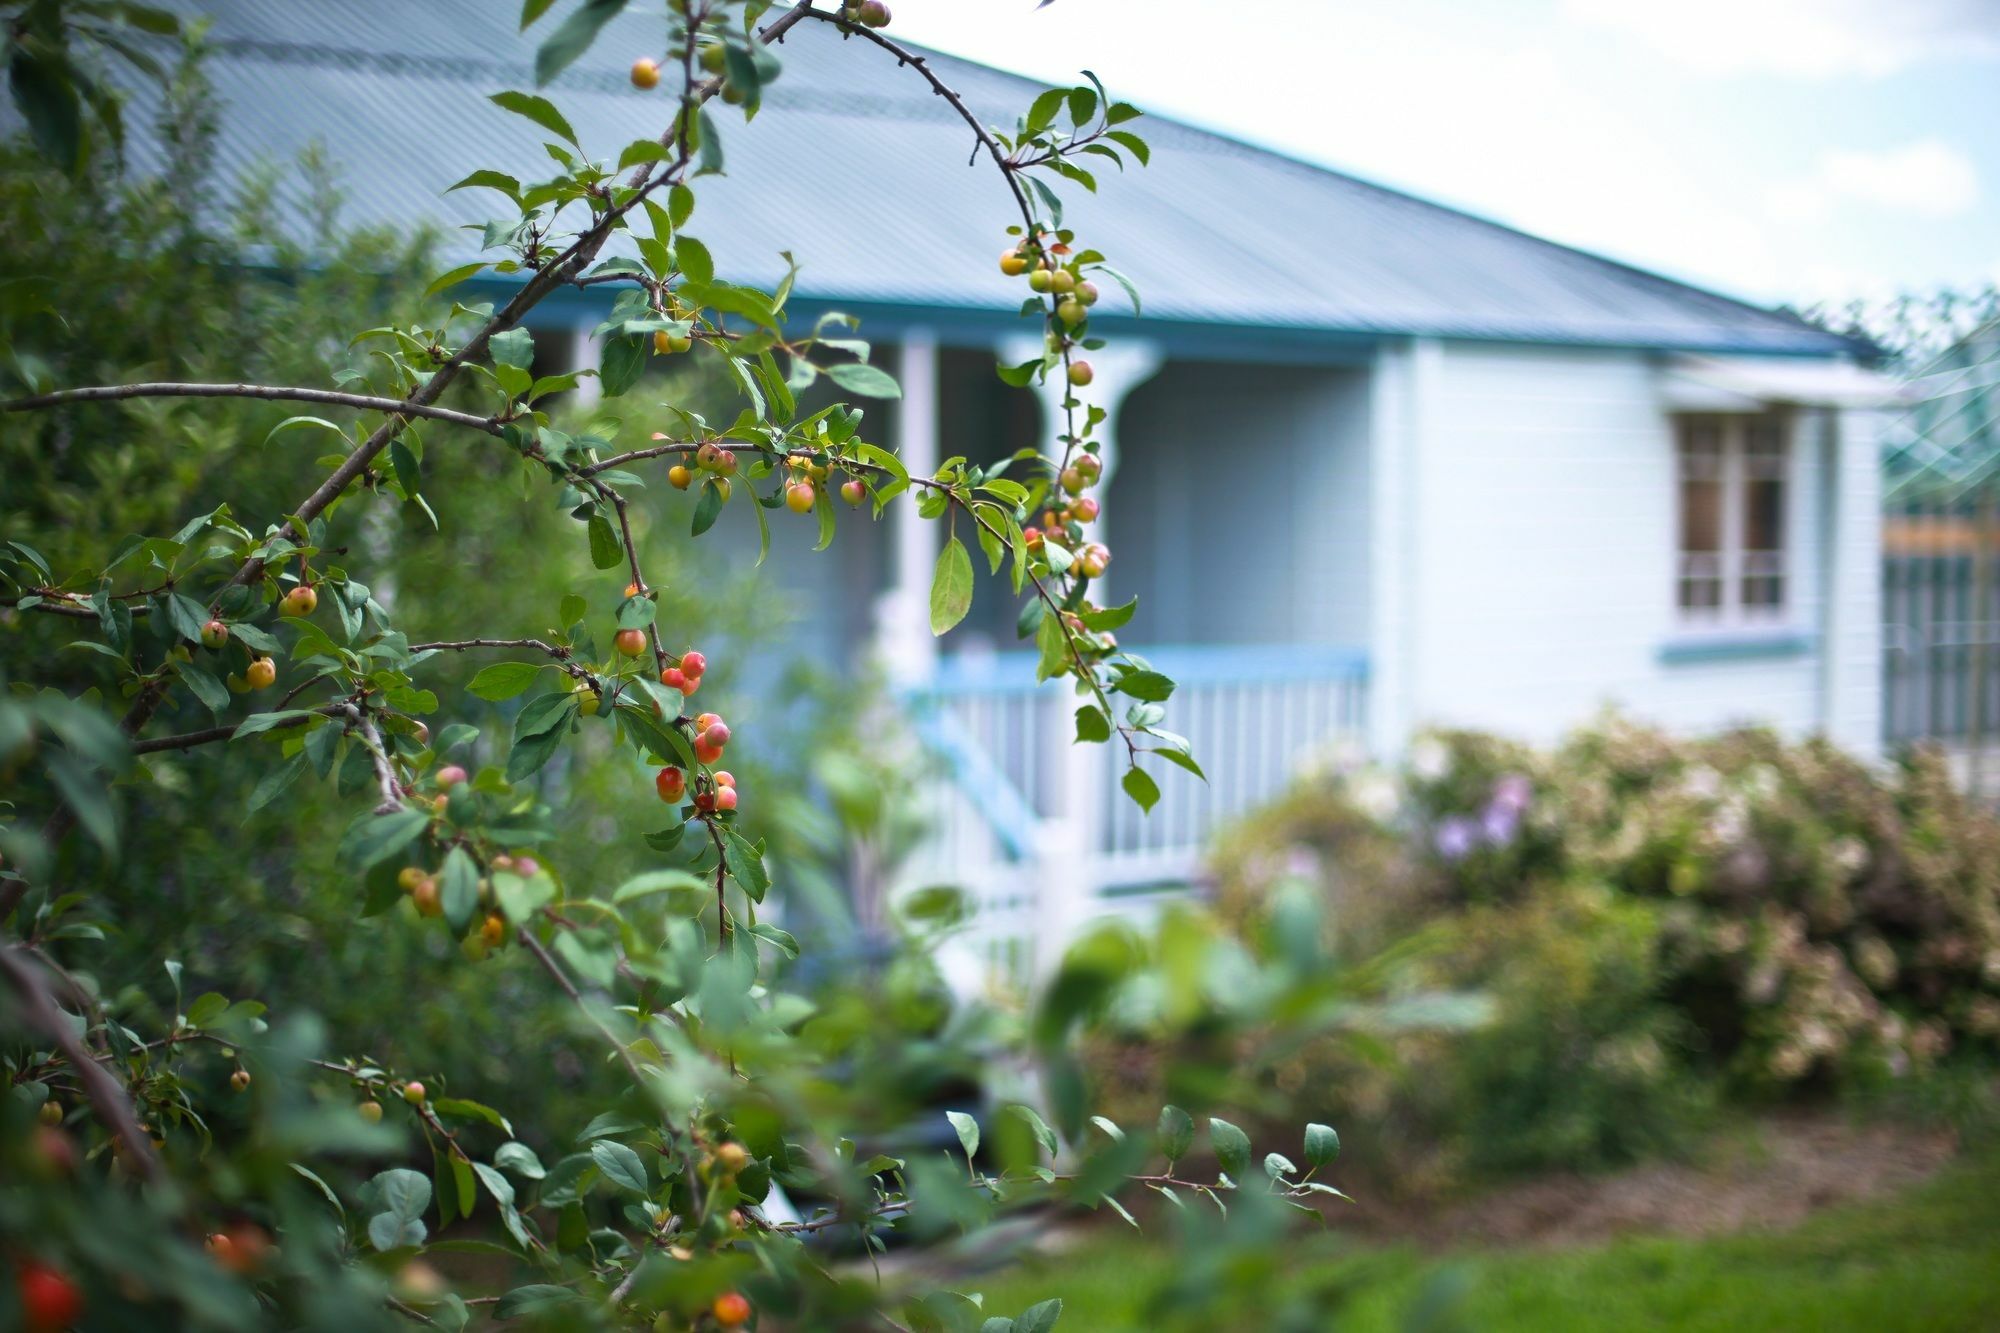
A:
1658	921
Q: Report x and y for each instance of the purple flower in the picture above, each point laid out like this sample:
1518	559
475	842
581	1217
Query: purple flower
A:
1456	837
1499	823
1513	792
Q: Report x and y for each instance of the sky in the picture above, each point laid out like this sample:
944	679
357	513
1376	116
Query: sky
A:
1783	150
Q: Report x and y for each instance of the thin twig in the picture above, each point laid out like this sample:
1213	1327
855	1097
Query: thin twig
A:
107	1099
385	772
269	392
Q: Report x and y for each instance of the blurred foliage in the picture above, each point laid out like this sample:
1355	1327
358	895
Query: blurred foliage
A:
1662	924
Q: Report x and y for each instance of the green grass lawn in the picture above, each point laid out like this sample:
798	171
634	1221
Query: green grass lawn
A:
1926	1260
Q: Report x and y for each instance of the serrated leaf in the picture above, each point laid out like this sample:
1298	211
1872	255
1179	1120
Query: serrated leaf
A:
1139	785
951	586
620	1165
372	839
866	380
504	680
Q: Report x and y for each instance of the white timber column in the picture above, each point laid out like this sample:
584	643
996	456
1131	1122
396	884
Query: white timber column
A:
1403	381
1851	592
903	619
586	353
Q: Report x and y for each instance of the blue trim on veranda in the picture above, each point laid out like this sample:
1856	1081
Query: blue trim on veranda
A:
1746	646
1188	664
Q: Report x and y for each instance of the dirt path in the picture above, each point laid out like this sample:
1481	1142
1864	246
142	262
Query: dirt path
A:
1792	1166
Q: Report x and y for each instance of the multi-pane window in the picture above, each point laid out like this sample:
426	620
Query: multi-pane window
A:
1733	475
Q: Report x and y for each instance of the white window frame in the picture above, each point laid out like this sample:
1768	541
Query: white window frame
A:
1731	615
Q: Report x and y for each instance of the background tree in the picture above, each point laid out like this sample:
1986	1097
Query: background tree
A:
199	1159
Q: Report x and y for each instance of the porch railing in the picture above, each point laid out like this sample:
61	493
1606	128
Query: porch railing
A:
1035	829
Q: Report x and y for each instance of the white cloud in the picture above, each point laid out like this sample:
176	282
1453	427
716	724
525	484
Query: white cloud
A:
1805	38
1928	179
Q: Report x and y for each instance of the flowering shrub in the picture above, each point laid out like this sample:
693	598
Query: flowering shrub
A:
1649	914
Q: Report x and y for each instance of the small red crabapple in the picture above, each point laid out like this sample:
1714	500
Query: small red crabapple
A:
240	1080
731	1308
1084	510
527	867
854	491
702	721
716	734
693	663
724	778
725	463
674	679
450	776
671	783
409	877
214	634
1089	466
707	454
1031	537
705	752
799	496
1086	292
630	642
725	798
428	898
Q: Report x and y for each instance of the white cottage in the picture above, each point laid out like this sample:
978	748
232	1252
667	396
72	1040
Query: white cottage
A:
1376	463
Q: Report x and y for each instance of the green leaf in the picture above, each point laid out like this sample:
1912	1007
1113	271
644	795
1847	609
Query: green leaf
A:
620	1165
1176	1132
1232	1148
453	277
373	839
866	380
532	10
951	586
693	259
1040	1127
1091	724
492	180
538	109
206	688
504	680
967	1129
708	507
1139	785
520	1159
1180	759
605	550
661	881
623	362
460	889
1322	1144
1039	1318
534	1298
512	347
1277	1166
573	37
746	864
1042	113
1148	686
46	97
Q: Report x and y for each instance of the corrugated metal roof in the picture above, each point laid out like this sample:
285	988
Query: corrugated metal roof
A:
859	171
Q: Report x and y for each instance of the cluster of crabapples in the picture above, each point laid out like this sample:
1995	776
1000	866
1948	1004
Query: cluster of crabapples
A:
711	458
260	672
808	476
715	792
1075	509
1052	270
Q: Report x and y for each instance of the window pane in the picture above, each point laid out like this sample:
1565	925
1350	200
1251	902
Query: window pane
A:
1763	585
1701	516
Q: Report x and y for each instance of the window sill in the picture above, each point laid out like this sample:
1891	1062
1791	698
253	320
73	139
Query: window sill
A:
1743	645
